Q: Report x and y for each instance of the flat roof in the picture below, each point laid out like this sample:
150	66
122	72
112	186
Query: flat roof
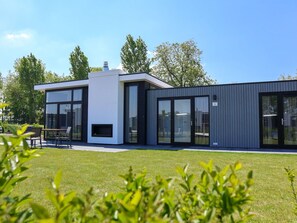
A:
122	77
61	85
233	84
144	77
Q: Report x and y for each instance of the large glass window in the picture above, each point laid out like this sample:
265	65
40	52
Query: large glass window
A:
201	121
77	95
77	121
131	102
58	96
269	120
63	109
64	116
164	121
51	113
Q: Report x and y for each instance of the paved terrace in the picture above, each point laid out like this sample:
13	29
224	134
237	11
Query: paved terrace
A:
124	148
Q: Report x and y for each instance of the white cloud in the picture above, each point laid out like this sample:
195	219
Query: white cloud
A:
17	36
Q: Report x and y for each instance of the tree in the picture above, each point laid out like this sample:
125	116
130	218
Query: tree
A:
30	72
179	64
134	56
1	81
95	69
287	77
51	77
79	64
14	96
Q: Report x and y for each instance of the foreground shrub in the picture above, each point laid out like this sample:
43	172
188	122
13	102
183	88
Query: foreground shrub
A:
291	177
217	195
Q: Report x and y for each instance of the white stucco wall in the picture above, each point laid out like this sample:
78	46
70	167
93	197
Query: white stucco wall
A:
106	105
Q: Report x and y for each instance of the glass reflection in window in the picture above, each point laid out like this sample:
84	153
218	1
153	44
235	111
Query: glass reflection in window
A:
77	95
269	120
164	121
131	100
58	96
201	121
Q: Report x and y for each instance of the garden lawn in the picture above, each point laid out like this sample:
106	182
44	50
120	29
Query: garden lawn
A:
83	169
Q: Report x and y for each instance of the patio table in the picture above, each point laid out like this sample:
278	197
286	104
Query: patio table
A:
55	132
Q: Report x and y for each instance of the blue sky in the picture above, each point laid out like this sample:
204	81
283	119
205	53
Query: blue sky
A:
242	41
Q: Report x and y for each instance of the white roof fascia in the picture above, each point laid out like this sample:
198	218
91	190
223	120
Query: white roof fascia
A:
61	85
144	77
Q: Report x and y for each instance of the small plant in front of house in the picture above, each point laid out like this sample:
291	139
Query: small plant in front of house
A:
219	195
291	177
12	167
216	195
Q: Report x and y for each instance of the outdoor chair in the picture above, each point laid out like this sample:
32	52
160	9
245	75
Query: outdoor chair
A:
36	136
64	136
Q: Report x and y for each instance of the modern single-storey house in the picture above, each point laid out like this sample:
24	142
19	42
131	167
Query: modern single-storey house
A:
112	107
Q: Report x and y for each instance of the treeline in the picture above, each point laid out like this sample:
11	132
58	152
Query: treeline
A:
178	64
17	87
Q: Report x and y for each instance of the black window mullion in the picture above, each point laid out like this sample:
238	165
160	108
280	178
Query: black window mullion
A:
192	120
280	114
172	121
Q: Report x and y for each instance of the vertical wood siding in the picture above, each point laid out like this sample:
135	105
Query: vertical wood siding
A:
234	122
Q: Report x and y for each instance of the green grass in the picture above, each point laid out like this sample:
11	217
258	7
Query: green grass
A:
82	169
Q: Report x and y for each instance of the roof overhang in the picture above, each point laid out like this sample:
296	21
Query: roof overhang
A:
144	77
61	85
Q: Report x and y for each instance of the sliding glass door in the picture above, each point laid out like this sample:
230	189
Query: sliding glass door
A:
270	126
201	121
164	121
183	121
290	120
278	120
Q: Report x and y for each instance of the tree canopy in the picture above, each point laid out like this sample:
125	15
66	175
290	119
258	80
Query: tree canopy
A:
79	64
287	77
51	77
179	64
134	56
1	81
13	95
26	105
95	69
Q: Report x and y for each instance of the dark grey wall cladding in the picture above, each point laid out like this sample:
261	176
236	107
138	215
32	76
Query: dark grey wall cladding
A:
234	122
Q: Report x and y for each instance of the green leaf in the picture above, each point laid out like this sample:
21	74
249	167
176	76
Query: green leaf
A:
180	171
237	166
57	180
3	105
69	197
22	130
136	198
39	211
250	174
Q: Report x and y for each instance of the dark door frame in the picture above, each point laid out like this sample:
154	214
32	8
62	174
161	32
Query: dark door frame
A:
280	117
192	119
